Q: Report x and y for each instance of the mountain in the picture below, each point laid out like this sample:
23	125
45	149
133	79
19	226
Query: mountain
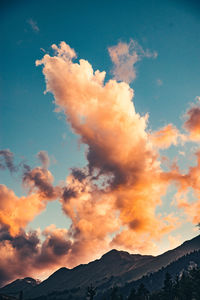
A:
113	268
15	287
163	260
155	281
6	297
113	263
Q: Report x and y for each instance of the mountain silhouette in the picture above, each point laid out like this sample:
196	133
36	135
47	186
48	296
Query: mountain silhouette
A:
113	268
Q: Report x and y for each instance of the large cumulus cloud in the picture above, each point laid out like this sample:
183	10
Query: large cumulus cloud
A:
123	182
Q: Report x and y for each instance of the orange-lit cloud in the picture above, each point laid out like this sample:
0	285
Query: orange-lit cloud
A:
40	179
165	137
122	184
174	241
16	213
25	255
112	201
192	123
184	183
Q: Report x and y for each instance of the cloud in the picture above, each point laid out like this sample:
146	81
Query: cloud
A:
44	158
54	248
121	187
40	180
197	98
174	241
165	137
124	57
159	82
15	212
6	161
112	201
33	25
25	255
64	51
182	153
186	183
192	123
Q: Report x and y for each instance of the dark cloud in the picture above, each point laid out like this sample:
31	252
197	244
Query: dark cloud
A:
54	247
24	254
68	193
79	174
26	244
6	161
40	179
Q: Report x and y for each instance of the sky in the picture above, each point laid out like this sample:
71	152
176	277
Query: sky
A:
100	130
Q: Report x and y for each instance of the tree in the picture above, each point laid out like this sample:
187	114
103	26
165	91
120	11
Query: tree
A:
185	290
194	275
91	292
115	295
21	295
168	287
142	293
132	295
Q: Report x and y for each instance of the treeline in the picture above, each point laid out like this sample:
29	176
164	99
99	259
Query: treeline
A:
154	281
186	286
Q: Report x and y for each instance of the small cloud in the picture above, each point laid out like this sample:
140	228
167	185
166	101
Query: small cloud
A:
182	153
124	57
44	158
165	136
33	25
159	82
43	50
64	136
192	123
197	98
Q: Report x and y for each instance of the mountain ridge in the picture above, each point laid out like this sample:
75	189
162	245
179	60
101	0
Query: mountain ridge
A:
113	268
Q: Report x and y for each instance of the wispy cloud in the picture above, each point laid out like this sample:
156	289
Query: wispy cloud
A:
6	160
124	57
197	98
159	82
33	25
165	136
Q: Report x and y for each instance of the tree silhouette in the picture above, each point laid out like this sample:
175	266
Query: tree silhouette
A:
168	287
21	295
185	290
115	295
132	295
91	292
142	293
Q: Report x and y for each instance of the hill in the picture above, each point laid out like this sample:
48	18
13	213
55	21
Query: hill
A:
113	268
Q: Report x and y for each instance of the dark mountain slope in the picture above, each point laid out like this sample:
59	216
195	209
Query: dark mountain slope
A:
163	260
18	285
114	268
113	263
155	281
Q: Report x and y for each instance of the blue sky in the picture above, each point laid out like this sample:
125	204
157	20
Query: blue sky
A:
164	87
